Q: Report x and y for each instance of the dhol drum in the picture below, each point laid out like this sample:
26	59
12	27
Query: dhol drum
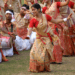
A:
6	42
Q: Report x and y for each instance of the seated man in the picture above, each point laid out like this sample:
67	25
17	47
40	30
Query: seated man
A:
10	27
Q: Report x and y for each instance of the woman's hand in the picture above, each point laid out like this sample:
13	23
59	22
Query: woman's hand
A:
64	3
56	21
65	28
70	15
73	10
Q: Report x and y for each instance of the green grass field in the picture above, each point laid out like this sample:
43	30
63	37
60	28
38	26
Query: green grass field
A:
19	64
22	1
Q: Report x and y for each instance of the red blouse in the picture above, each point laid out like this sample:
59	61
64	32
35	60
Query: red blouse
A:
45	8
71	4
34	22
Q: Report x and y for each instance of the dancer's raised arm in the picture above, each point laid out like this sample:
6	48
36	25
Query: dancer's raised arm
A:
56	21
64	3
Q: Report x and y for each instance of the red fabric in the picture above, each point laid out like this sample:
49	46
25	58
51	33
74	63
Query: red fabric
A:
0	8
44	9
32	3
71	4
57	51
34	22
57	54
55	32
5	5
48	17
69	42
50	36
9	33
22	32
58	5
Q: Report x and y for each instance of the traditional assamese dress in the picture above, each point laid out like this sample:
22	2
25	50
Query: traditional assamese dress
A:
42	49
58	30
22	24
69	40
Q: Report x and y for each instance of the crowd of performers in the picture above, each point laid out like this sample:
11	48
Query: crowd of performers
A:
47	27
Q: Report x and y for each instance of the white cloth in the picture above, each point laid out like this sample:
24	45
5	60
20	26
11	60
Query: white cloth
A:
32	37
18	43
26	44
8	12
21	44
0	57
8	52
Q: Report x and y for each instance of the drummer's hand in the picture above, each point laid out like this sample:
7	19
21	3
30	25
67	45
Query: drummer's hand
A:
10	33
70	15
13	36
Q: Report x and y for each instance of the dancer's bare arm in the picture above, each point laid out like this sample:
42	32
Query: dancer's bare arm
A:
56	21
64	3
29	33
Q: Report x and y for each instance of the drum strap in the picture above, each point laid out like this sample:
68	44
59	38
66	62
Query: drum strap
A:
11	27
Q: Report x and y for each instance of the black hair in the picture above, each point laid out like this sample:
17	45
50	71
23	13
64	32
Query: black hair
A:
10	10
24	5
37	6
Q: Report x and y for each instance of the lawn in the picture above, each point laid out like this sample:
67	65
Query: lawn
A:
19	64
22	1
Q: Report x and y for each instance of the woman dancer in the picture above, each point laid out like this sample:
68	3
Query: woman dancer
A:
53	10
69	38
41	51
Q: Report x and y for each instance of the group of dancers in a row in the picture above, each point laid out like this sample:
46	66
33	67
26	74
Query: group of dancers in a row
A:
47	27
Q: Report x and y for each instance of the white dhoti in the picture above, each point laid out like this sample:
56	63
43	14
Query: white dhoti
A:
21	44
8	52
